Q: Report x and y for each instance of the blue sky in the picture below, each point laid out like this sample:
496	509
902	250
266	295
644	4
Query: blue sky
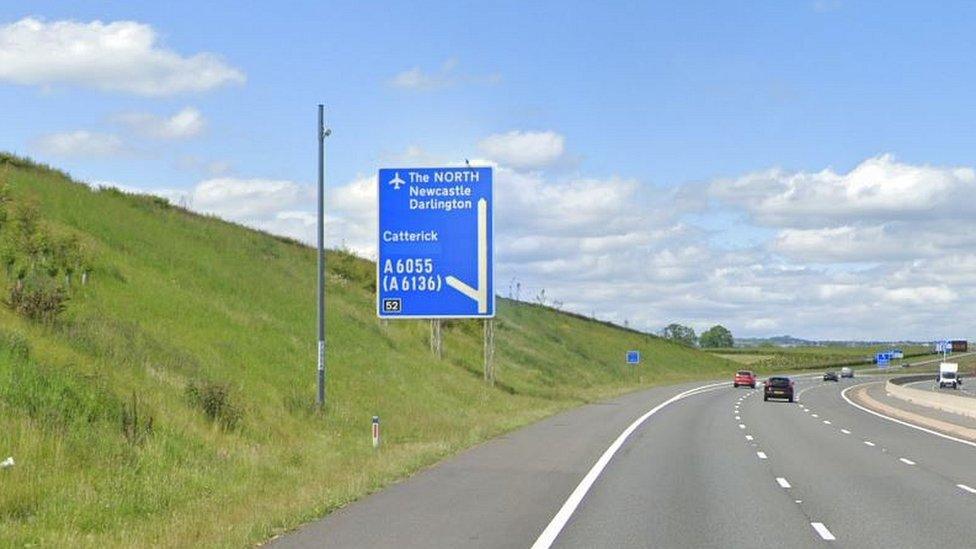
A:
651	100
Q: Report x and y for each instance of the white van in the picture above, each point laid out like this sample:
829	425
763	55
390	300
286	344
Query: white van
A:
846	372
948	375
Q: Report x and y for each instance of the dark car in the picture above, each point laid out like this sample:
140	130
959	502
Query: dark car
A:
778	387
831	376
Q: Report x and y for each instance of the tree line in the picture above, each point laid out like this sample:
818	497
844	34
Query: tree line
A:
717	336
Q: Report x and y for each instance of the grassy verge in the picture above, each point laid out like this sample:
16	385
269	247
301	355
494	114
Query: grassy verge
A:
801	358
171	404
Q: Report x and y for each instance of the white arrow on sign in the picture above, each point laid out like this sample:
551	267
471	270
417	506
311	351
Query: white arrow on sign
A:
479	294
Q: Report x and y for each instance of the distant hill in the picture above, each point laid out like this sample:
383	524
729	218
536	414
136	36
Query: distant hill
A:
170	403
790	341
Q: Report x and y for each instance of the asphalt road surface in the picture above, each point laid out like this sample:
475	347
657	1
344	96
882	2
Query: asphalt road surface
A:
716	468
964	390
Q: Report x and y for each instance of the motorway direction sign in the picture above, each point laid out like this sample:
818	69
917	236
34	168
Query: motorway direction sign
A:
633	357
435	243
883	359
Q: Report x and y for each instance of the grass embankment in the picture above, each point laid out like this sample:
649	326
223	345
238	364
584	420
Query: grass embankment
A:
769	359
171	403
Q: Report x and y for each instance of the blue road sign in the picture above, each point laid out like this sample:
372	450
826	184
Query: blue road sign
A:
633	357
435	243
882	359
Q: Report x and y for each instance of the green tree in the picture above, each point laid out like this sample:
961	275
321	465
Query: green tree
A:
716	337
684	335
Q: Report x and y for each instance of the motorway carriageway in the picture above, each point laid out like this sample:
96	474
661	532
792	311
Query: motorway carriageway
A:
964	390
683	466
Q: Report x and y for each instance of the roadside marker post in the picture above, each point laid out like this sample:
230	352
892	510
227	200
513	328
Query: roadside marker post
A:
376	431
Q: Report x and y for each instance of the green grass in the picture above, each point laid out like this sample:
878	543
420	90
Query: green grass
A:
770	359
178	300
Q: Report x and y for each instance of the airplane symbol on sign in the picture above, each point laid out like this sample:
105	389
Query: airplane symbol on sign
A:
397	182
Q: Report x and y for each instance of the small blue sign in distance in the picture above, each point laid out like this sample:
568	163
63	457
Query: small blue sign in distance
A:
633	357
882	359
435	243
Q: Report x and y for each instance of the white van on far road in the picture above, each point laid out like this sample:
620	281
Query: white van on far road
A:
948	375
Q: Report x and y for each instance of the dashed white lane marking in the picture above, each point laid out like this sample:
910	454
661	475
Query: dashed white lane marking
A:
823	531
814	415
967	488
869	443
782	482
826	422
737	418
741	426
798	500
845	431
748	437
906	461
762	455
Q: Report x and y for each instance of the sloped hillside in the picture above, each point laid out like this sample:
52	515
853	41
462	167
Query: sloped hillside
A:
170	402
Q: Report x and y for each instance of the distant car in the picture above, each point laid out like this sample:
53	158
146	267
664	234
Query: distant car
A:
744	378
846	372
778	387
831	376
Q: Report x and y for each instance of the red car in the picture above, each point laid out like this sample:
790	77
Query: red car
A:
744	378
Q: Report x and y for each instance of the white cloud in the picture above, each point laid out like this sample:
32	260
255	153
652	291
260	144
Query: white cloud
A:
524	149
447	75
878	188
120	56
245	199
210	168
80	143
186	123
415	79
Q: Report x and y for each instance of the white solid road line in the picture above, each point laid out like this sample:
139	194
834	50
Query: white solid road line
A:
845	431
559	520
762	455
869	443
823	531
900	422
906	461
967	488
782	482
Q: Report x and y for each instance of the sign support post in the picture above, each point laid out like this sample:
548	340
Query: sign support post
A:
435	337
489	351
323	133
